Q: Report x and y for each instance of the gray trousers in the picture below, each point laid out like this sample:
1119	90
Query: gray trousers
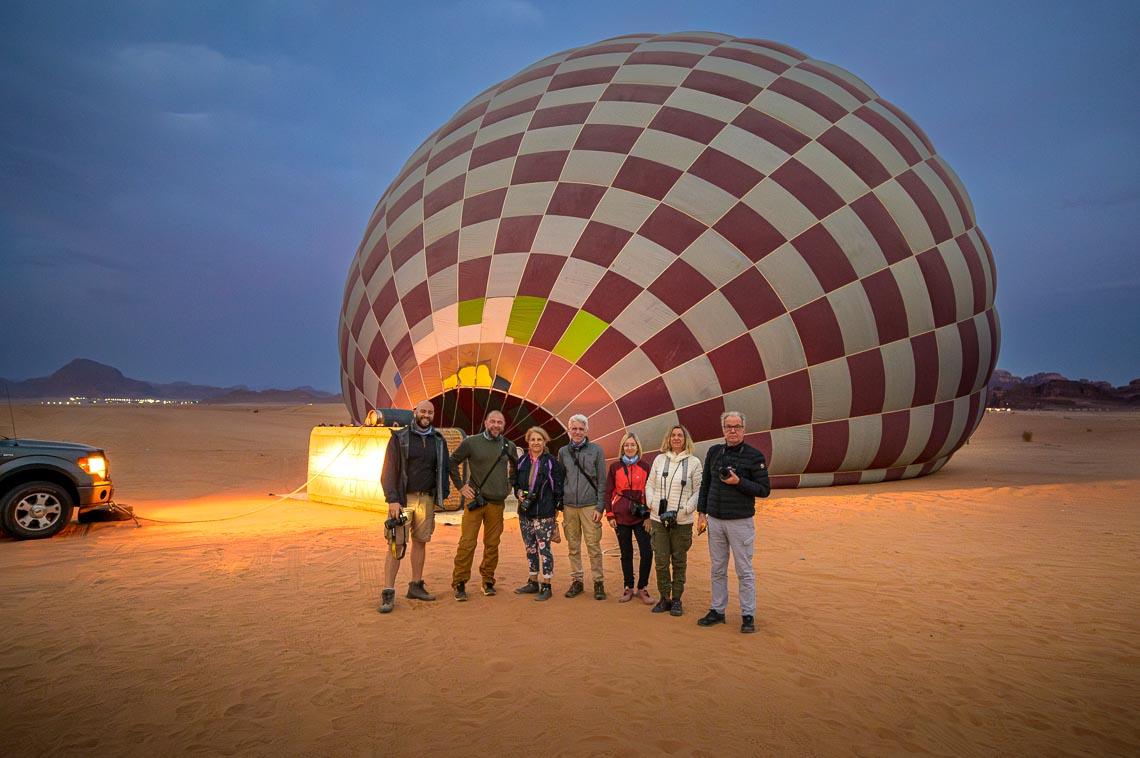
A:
739	537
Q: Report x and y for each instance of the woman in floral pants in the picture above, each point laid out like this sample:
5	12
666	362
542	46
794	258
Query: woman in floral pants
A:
538	487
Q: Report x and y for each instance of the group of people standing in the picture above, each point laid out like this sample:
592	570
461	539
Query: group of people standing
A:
655	505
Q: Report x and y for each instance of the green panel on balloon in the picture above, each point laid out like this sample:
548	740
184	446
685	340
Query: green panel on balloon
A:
524	318
471	311
583	330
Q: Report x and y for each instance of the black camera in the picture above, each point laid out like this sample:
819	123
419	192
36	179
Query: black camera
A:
477	502
399	519
669	519
726	471
528	501
639	510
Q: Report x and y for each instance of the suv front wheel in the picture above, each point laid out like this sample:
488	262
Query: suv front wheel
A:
35	510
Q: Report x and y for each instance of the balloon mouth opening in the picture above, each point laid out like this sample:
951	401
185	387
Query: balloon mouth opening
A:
466	407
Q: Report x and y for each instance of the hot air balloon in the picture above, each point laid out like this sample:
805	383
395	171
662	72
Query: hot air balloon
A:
655	229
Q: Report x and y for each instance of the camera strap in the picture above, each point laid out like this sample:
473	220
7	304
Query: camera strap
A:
668	483
590	479
493	467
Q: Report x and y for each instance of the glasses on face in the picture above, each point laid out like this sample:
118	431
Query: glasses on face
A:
733	427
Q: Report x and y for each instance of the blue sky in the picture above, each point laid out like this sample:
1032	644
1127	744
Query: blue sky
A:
183	185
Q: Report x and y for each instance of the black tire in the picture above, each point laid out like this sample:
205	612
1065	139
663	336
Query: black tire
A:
36	510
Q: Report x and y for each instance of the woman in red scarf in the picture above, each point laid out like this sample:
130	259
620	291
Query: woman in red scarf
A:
627	512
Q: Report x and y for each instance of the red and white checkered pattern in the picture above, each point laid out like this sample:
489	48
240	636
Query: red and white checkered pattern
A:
758	231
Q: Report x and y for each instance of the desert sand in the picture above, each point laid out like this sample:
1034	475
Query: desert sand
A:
988	610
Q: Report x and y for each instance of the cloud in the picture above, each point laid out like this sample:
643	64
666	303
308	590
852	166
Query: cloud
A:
513	10
1113	285
177	65
1103	198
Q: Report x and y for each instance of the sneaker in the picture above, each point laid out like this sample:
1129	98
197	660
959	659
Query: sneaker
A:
644	595
461	591
747	625
599	590
530	588
576	589
417	591
663	605
387	600
676	609
543	592
626	596
488	589
711	618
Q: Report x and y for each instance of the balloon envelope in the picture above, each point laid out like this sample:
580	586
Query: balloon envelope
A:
655	229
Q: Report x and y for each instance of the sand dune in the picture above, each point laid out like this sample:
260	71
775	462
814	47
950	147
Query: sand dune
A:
987	610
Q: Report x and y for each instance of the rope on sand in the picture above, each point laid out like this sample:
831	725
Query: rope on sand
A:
280	498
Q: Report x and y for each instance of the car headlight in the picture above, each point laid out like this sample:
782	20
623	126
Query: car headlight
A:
95	465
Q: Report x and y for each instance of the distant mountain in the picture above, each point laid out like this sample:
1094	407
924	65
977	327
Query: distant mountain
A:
1052	391
90	379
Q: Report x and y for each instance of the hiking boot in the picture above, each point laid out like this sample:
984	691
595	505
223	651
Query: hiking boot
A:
644	595
530	588
387	600
417	591
576	589
626	596
461	591
663	605
747	625
488	589
711	618
544	592
676	609
599	590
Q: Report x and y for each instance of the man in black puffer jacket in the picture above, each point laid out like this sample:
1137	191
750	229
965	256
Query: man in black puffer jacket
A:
735	474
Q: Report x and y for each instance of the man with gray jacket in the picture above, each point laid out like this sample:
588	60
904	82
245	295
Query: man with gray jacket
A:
584	502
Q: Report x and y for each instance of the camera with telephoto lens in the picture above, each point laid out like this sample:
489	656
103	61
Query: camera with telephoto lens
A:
528	501
477	502
669	519
398	520
726	471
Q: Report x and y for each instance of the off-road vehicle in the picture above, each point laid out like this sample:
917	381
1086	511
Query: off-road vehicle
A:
42	484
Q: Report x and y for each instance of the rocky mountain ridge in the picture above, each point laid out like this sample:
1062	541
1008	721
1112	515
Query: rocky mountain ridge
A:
1052	391
90	379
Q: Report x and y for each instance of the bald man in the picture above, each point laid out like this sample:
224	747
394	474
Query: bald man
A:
492	460
415	481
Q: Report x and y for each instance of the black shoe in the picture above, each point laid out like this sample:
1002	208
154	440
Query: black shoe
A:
576	589
544	593
599	590
677	609
663	605
747	625
711	618
488	589
387	600
530	588
417	591
461	591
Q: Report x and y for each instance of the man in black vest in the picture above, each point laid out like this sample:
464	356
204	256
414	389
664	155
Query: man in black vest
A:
415	481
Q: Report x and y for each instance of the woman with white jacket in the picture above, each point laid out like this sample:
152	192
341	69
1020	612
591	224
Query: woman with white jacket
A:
671	493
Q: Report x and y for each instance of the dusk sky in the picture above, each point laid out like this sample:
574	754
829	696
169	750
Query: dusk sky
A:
184	184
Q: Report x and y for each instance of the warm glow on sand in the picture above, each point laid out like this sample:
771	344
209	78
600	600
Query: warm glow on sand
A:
989	609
